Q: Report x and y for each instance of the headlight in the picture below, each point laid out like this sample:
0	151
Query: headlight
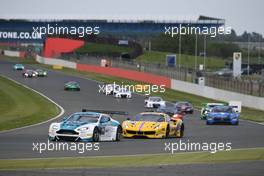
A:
83	129
44	73
157	127
125	125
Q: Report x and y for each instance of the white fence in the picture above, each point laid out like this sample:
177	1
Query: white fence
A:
218	94
11	53
52	61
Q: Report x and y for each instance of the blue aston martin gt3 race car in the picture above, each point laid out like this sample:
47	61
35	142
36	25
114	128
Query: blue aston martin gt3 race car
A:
223	114
87	126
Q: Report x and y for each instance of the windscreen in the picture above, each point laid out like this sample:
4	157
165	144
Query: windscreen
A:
149	117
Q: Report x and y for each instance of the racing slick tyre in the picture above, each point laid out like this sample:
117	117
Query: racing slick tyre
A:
96	135
118	133
167	131
181	131
208	123
52	139
237	123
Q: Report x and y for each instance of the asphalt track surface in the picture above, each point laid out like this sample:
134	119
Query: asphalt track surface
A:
252	168
18	143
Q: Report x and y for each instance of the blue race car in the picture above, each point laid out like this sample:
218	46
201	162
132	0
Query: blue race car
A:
18	67
86	126
223	114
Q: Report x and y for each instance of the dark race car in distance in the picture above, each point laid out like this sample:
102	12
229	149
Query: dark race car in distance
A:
184	107
72	85
169	109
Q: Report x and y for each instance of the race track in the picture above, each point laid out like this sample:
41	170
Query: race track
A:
18	143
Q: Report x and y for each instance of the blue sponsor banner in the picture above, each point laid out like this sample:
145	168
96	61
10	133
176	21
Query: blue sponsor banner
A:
171	60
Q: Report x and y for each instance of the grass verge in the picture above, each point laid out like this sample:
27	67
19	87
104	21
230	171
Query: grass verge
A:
187	61
20	106
135	161
102	49
169	95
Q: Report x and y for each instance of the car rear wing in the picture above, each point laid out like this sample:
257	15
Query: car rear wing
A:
204	104
106	111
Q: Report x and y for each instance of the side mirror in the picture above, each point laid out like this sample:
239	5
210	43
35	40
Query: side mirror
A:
64	118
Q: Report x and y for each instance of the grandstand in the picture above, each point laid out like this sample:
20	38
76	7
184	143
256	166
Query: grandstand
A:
107	27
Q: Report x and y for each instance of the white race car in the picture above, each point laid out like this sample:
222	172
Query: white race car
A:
154	102
122	93
109	89
86	126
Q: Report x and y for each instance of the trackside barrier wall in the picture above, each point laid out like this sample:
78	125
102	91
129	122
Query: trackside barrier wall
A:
11	53
128	74
52	61
218	94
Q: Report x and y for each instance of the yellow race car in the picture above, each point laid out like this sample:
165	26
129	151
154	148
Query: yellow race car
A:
153	125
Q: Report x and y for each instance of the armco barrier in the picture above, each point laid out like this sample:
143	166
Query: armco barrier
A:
11	53
52	61
218	94
128	74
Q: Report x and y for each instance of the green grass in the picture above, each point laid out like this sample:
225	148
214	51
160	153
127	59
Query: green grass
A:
20	106
135	161
102	48
4	47
186	60
169	95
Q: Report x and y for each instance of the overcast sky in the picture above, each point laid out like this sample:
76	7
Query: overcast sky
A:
239	14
